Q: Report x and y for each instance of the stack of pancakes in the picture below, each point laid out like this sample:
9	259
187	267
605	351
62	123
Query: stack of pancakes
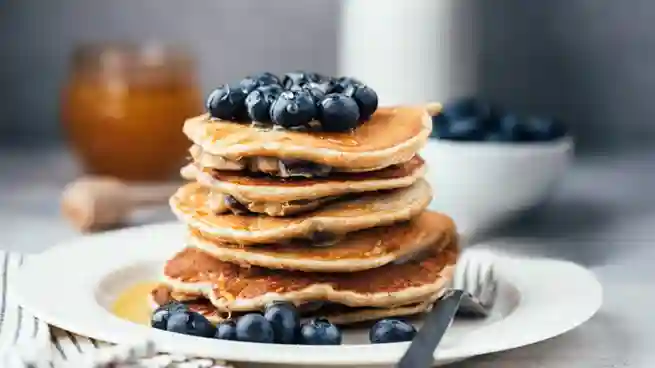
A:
332	222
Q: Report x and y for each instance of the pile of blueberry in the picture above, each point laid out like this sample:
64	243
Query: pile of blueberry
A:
469	119
279	324
294	101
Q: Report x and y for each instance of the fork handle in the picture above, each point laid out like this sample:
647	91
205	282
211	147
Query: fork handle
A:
420	353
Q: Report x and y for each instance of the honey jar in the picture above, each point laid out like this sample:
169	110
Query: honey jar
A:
123	108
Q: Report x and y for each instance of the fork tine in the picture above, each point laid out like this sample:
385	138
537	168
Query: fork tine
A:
464	275
483	279
473	275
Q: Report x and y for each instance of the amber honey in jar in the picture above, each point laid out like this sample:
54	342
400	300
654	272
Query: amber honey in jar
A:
124	106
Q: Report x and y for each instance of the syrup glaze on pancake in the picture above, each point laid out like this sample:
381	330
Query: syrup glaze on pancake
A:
336	313
357	251
232	288
392	135
189	203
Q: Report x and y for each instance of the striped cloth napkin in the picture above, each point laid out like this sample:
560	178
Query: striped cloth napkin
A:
27	342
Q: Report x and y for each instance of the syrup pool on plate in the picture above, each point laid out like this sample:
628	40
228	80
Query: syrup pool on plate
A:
133	304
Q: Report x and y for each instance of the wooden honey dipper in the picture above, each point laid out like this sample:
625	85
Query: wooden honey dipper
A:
98	203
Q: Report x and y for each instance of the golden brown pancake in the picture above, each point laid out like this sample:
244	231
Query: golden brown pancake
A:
392	136
336	313
189	203
253	187
357	251
232	288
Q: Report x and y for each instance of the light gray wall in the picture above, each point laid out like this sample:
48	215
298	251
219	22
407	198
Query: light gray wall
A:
588	61
230	37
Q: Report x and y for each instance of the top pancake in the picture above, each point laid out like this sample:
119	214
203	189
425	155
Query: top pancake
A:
392	136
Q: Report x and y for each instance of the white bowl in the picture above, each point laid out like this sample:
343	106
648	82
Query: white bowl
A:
481	184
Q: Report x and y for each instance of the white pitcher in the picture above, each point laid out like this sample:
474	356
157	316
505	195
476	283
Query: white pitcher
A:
410	51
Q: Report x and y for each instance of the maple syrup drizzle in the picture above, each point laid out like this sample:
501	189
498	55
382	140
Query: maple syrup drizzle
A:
133	304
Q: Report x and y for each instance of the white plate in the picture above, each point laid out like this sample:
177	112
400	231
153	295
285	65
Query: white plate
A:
73	285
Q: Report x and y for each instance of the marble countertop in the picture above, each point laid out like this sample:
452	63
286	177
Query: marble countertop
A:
602	216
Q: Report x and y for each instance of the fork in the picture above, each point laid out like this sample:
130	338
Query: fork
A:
472	294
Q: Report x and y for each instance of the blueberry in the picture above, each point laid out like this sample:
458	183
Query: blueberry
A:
258	103
226	331
285	321
540	129
338	113
464	107
250	83
296	78
462	129
511	128
319	331
267	79
316	90
227	103
366	98
293	109
160	316
341	84
190	323
391	330
254	328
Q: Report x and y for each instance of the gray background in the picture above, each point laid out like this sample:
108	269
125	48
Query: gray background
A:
587	61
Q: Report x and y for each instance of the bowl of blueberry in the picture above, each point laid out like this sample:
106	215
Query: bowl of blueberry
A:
488	165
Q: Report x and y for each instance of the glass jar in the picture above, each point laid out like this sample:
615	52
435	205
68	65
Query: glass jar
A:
124	106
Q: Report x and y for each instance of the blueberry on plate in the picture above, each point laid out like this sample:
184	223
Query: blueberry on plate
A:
159	318
366	99
227	103
319	331
542	129
293	109
391	330
285	320
461	129
190	323
342	83
226	331
258	103
254	327
338	113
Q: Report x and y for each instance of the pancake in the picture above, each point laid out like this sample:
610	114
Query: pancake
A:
358	251
232	288
220	203
250	187
335	313
392	136
189	204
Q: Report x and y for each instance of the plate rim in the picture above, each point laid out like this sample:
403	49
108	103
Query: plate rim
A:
516	269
